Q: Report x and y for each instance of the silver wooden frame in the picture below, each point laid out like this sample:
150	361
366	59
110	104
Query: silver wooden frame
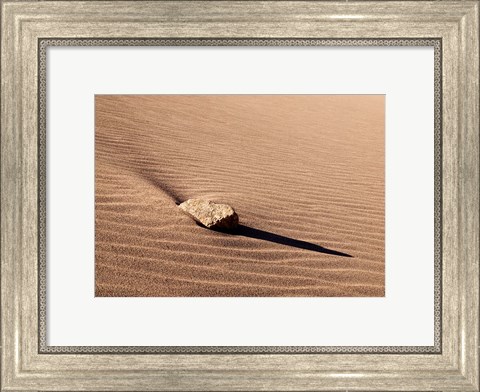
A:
27	363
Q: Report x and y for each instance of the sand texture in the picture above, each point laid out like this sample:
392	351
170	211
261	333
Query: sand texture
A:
306	175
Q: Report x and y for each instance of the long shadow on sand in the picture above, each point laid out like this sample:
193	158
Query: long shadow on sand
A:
251	232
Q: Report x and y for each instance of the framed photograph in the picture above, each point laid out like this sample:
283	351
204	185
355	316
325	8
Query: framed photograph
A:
240	196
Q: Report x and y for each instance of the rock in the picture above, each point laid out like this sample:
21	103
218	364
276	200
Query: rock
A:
210	214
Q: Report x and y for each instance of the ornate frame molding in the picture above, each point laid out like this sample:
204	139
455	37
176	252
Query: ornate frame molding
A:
26	24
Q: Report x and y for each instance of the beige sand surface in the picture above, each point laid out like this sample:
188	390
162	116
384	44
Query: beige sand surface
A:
304	173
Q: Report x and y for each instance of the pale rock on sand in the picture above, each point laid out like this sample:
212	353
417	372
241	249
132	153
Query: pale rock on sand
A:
210	214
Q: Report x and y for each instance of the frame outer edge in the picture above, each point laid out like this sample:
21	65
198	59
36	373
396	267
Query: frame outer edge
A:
10	150
469	193
10	223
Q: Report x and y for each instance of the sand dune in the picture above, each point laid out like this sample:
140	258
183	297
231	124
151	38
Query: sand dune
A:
304	173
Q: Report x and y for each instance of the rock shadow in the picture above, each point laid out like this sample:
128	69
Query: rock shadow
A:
251	232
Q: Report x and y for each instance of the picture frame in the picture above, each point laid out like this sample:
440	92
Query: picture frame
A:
28	27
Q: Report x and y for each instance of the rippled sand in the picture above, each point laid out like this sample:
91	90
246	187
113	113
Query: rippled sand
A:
306	175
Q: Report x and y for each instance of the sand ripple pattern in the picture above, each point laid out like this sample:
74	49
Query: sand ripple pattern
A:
297	169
